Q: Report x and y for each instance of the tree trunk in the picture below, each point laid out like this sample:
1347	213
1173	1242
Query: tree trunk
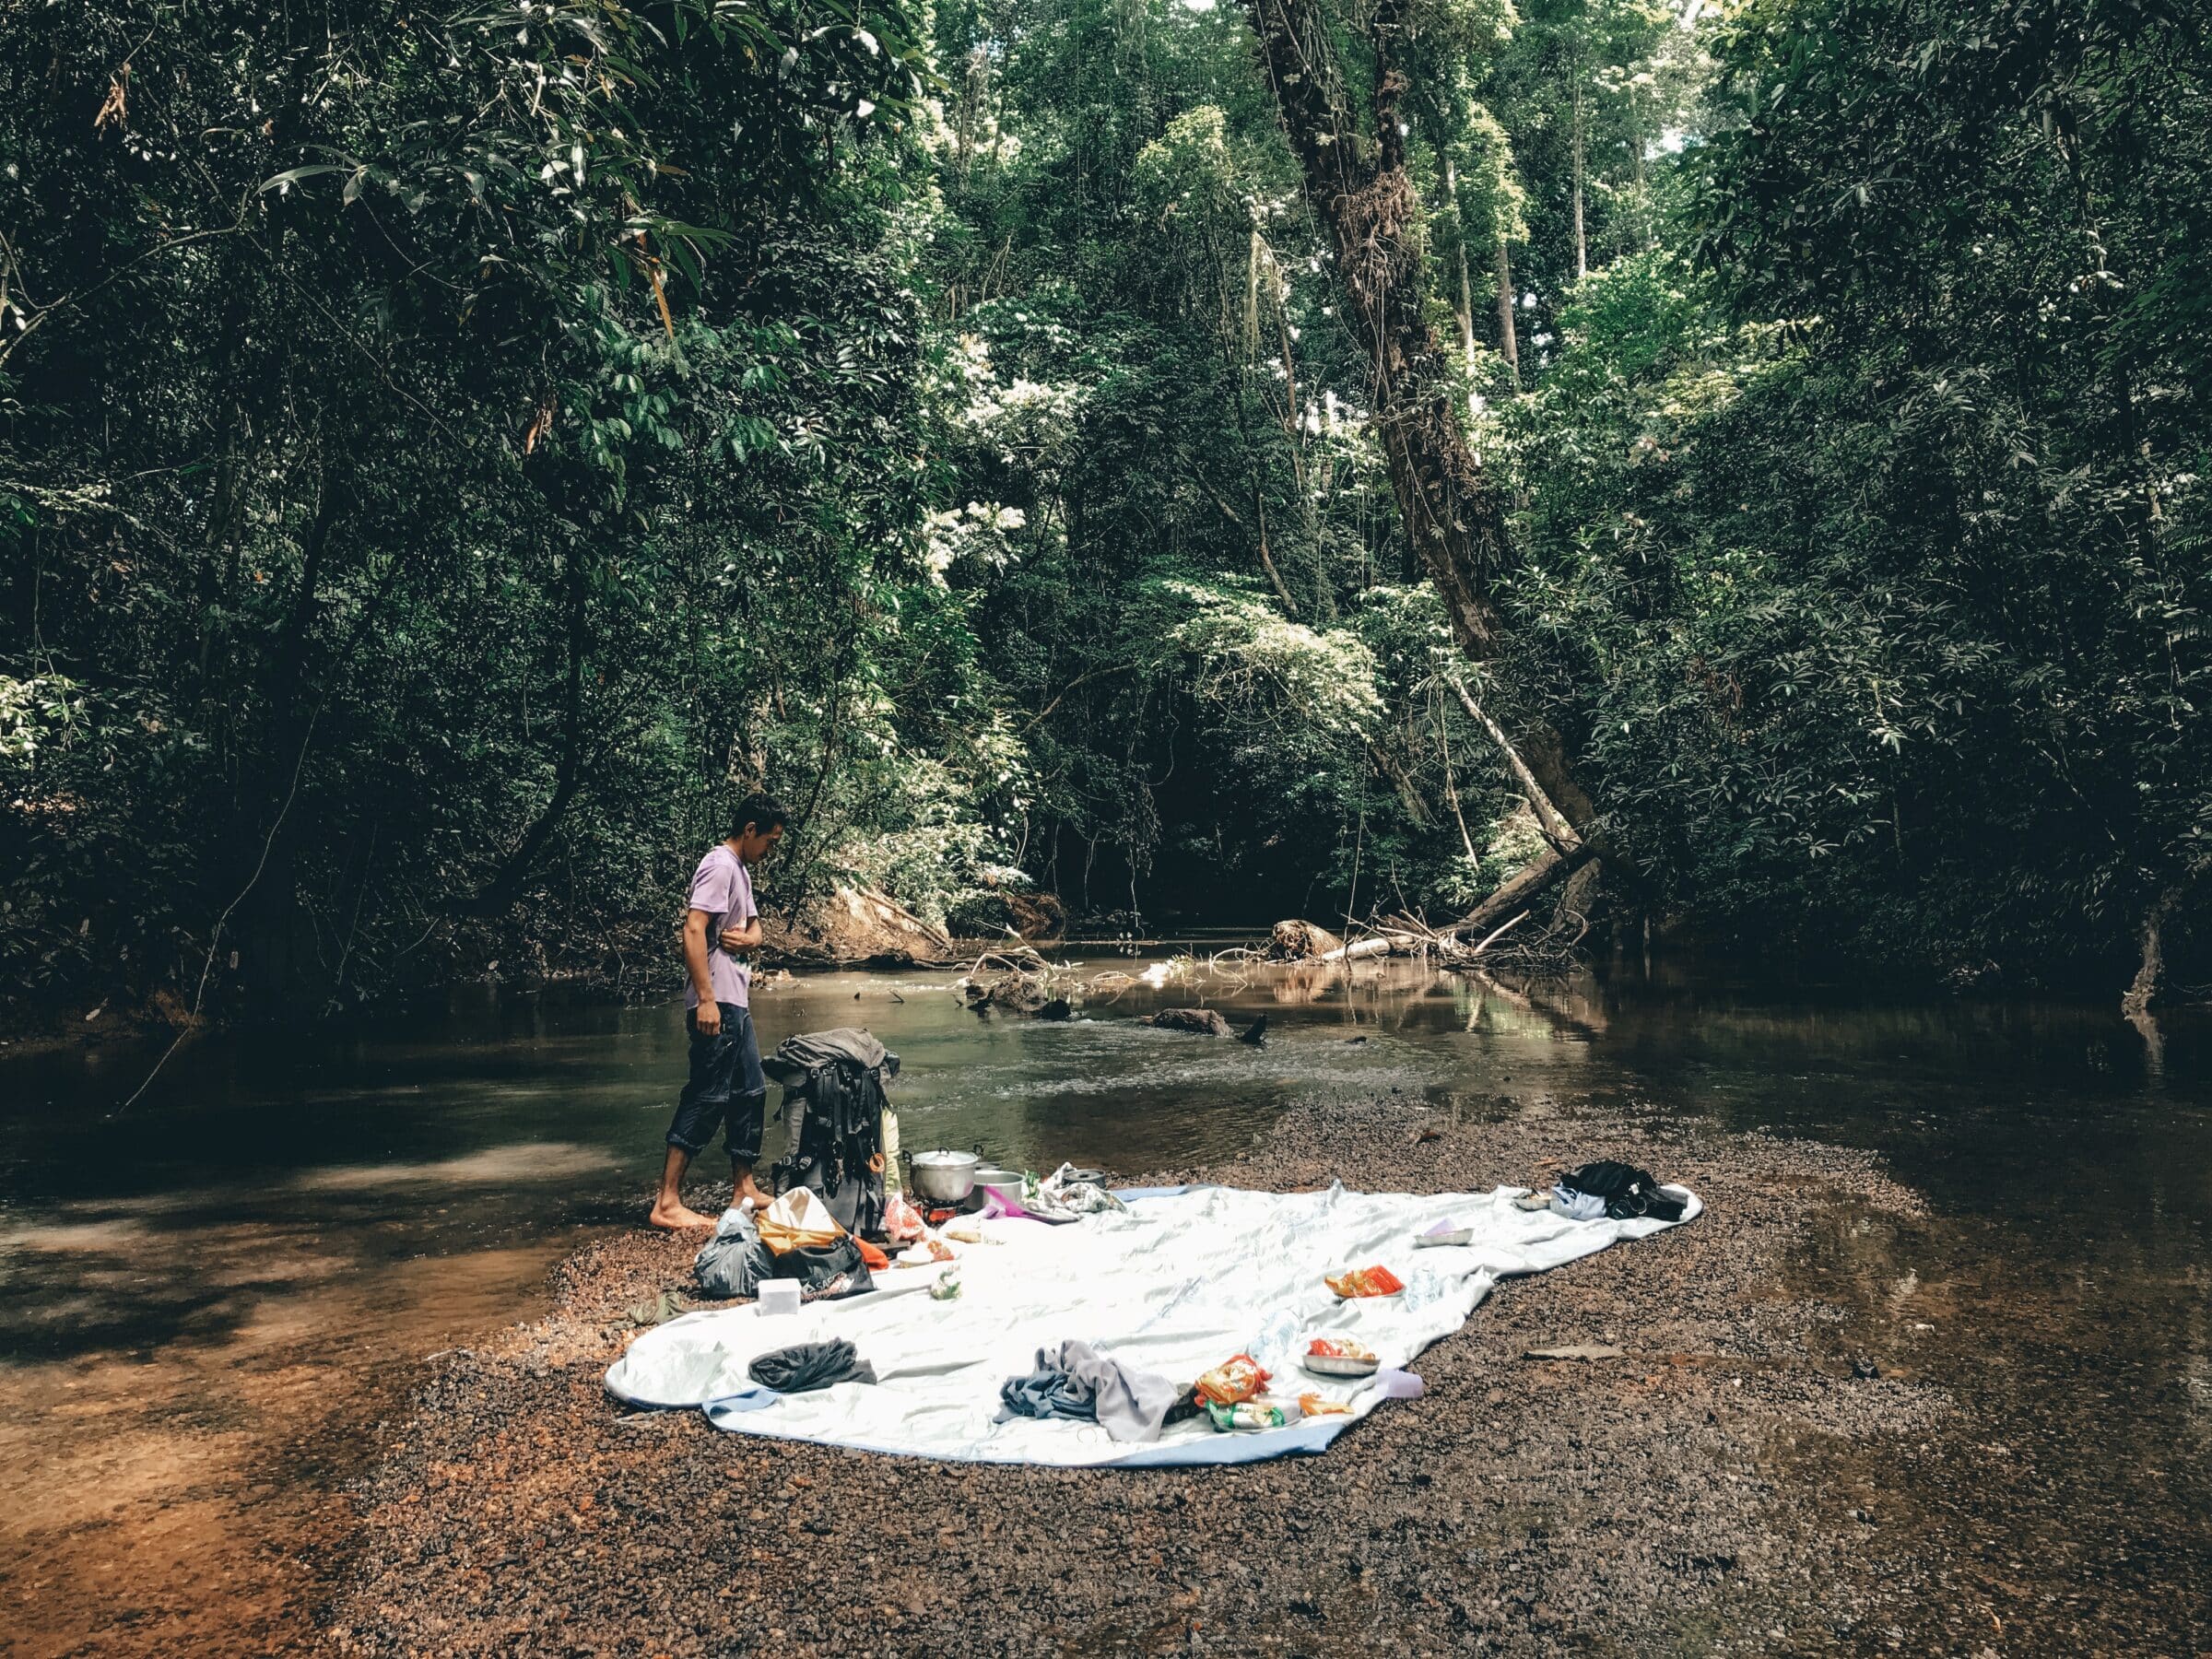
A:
1464	310
2144	991
1532	878
567	779
1582	243
1366	199
1557	830
1508	347
1361	188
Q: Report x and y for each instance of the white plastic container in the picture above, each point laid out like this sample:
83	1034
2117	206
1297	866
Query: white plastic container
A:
778	1297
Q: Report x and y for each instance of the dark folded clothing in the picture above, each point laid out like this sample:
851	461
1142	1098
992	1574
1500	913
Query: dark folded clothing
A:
810	1365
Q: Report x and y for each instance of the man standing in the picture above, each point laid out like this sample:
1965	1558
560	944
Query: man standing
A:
726	1082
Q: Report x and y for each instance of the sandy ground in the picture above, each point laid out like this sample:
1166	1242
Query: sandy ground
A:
1719	1488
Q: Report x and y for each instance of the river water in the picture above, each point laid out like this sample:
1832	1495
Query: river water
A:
208	1303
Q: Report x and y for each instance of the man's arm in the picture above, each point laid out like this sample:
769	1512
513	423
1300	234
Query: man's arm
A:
709	1014
747	937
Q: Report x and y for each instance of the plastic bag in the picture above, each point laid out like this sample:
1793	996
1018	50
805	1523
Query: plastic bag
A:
1235	1380
1247	1415
1067	1191
733	1261
876	1261
799	1220
902	1220
1377	1280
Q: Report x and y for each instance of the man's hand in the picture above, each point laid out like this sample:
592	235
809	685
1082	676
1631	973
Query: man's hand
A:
706	1020
737	939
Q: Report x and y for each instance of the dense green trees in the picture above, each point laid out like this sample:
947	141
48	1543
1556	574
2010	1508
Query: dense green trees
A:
441	455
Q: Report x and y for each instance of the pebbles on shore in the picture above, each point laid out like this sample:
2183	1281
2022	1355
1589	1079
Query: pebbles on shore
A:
1634	1504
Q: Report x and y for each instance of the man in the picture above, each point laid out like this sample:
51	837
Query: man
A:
726	1084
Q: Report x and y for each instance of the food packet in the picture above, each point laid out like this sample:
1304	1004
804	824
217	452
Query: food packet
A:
902	1221
1338	1348
1236	1378
1377	1280
1247	1415
930	1249
1318	1404
947	1287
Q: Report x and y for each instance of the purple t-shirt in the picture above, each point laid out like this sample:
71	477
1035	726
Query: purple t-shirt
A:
723	889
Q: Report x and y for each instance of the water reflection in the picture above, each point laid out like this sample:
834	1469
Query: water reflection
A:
205	1303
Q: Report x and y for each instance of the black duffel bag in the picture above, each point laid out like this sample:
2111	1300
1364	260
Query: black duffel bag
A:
1630	1193
820	1268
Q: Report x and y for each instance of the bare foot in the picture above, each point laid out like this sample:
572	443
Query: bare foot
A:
677	1218
747	1187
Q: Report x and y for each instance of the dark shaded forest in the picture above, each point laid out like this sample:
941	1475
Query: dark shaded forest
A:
1740	466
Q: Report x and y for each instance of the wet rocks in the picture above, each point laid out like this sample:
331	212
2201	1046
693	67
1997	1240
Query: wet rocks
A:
1201	1022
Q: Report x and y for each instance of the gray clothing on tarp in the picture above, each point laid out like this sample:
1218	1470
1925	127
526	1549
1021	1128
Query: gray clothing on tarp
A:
805	1365
733	1261
1078	1381
1577	1206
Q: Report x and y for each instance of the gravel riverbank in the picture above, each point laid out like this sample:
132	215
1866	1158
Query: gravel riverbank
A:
1708	1491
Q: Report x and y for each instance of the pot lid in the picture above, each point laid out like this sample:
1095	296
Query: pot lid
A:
930	1160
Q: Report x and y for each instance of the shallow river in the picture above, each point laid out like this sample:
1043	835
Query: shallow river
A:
207	1303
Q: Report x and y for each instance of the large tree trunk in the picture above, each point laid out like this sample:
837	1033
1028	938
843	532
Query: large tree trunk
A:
1361	186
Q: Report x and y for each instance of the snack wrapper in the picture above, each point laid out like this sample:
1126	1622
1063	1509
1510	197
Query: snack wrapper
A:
1235	1380
1377	1280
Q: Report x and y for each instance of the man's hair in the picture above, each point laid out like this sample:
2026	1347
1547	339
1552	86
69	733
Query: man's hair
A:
762	811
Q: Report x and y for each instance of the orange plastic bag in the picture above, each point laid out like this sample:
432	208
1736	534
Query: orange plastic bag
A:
1366	1281
878	1262
1233	1380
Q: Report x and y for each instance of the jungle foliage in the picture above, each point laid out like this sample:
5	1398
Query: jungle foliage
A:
448	452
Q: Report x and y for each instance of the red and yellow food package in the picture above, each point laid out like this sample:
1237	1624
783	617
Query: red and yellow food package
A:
1314	1405
1339	1347
1234	1380
1377	1280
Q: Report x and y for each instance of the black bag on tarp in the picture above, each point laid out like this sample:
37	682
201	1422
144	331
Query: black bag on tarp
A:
819	1267
1630	1193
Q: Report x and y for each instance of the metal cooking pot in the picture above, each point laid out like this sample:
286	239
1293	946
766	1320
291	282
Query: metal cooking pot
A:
944	1177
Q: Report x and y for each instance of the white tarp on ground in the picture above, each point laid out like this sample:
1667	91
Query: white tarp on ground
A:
1188	1277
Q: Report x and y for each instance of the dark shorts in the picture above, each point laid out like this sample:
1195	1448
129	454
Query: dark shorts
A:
726	1085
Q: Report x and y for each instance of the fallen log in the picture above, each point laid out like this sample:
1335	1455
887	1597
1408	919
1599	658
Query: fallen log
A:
1374	945
1522	886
